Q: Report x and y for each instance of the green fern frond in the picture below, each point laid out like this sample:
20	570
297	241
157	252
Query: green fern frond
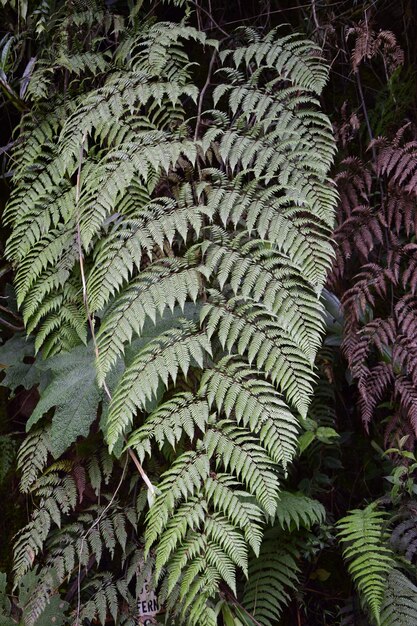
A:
190	515
47	252
259	336
32	457
276	218
100	468
273	573
255	269
204	247
230	541
178	416
103	599
296	509
162	285
93	62
272	576
233	386
184	478
155	151
238	452
369	557
161	360
224	494
121	252
58	497
299	57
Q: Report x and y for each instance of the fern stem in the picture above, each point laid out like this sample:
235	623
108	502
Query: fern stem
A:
202	93
365	111
219	28
314	11
4	322
235	601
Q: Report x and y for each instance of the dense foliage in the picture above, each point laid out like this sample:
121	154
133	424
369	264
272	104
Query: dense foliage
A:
196	427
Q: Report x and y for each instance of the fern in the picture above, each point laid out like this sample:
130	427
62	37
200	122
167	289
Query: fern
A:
33	456
272	576
379	234
98	533
58	496
295	510
404	532
368	44
103	599
400	605
232	387
273	573
196	250
369	558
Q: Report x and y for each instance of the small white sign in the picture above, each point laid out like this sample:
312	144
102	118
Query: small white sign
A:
148	606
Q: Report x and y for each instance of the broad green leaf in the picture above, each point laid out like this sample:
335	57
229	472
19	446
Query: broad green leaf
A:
74	395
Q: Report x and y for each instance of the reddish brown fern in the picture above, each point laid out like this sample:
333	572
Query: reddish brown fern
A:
376	273
369	44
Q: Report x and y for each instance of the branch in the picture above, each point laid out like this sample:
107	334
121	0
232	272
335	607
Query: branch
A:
236	602
202	94
199	8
